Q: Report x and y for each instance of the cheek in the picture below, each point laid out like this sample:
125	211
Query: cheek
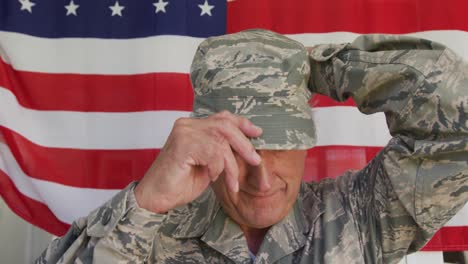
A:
293	171
294	187
225	197
292	176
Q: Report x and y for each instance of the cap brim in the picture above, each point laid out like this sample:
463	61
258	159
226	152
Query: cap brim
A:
284	132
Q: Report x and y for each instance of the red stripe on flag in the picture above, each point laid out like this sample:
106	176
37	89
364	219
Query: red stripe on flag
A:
95	93
114	169
367	16
319	100
100	169
449	238
30	210
332	161
107	93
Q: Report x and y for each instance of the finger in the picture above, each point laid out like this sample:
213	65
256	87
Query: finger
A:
231	170
245	125
215	166
239	142
248	128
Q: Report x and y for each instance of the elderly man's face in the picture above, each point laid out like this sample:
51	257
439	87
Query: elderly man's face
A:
266	192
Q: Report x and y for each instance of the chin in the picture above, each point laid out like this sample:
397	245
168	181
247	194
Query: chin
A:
263	217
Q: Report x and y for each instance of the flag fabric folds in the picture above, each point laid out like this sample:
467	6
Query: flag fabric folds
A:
89	90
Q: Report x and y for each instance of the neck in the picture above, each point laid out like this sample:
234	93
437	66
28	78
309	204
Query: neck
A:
254	237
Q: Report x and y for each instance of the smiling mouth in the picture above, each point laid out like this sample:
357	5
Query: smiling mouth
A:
260	195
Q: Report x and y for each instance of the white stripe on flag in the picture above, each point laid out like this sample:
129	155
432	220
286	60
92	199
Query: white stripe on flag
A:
345	125
98	56
460	219
145	55
146	130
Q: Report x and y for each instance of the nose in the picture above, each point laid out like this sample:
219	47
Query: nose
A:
260	177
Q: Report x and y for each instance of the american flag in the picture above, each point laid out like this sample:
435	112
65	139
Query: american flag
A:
89	89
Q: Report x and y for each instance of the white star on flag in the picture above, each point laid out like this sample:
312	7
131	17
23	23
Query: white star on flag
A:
117	9
71	8
160	6
27	5
206	8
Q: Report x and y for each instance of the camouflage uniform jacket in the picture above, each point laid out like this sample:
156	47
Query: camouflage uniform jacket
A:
377	215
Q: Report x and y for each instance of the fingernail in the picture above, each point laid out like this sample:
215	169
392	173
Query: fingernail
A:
259	129
257	159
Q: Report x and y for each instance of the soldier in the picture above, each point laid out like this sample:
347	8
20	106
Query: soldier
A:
226	187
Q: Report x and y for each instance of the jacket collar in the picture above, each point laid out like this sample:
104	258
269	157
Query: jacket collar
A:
291	233
285	237
225	236
205	219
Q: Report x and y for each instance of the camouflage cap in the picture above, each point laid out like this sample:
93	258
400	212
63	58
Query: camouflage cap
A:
262	76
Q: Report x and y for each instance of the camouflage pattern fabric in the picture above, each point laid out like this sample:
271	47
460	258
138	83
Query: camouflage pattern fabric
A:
259	75
377	215
88	240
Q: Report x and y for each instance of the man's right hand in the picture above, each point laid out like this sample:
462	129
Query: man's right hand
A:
196	152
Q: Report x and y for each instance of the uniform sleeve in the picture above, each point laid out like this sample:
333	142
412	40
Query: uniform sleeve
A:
420	179
117	232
